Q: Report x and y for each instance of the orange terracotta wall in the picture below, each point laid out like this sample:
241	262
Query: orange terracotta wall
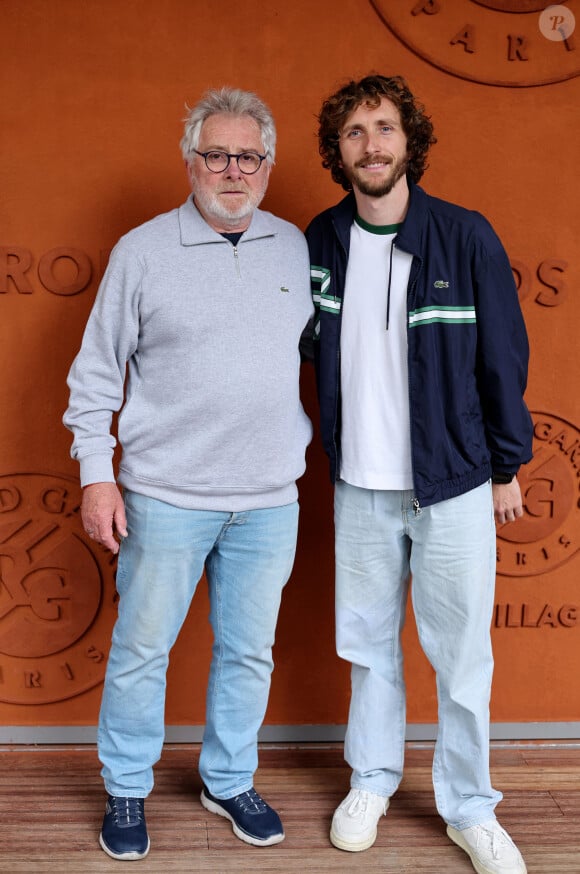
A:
93	94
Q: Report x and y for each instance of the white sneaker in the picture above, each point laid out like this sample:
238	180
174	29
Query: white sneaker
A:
490	848
354	824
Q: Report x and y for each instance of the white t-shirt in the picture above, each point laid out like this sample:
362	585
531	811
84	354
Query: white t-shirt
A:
375	437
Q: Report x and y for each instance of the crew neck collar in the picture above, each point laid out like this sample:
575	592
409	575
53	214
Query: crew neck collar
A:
377	229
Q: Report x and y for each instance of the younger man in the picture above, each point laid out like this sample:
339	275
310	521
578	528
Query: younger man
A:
421	356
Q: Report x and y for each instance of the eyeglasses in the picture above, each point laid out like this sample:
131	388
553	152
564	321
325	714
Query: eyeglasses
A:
217	162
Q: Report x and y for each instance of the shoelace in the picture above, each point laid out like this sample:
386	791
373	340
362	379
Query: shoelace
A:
127	812
251	802
497	839
358	805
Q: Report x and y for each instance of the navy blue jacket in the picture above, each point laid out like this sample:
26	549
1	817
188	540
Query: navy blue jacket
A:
467	344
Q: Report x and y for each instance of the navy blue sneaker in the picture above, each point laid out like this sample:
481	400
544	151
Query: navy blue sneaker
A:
253	821
124	833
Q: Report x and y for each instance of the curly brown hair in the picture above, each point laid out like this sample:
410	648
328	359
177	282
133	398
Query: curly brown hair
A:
370	91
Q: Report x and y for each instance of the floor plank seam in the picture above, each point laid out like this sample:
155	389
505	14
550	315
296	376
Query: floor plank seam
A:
558	805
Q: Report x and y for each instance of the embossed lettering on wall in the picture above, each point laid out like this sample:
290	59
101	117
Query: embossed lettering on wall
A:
535	616
67	271
64	270
550	289
548	534
505	43
56	593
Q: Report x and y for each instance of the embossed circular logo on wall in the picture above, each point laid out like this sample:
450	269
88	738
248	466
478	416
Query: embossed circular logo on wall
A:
496	43
548	534
56	593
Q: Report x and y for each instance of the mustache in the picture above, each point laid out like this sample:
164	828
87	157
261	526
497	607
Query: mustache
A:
364	162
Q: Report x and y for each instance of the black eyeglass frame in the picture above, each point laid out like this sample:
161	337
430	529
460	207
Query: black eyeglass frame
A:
229	157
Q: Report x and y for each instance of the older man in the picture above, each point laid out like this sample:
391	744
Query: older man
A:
204	307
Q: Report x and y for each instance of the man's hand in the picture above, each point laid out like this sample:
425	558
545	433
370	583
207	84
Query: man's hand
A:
103	514
507	501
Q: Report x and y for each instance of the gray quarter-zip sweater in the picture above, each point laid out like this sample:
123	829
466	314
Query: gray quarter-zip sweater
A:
195	341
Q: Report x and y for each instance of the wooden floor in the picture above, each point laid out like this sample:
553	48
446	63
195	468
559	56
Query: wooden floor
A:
51	805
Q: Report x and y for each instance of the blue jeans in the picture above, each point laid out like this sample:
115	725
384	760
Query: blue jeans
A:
248	558
449	549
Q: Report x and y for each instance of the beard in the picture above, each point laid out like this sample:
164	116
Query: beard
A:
376	187
212	205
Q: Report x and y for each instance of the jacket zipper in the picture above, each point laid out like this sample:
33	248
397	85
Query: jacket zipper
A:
416	504
337	459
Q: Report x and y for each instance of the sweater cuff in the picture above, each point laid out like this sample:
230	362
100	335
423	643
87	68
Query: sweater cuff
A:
96	469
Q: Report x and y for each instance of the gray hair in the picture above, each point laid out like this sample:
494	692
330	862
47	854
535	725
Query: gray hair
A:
230	101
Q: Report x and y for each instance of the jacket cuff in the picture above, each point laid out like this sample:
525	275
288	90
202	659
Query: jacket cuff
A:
502	477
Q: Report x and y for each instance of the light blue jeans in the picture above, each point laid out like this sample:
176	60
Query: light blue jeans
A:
248	558
449	549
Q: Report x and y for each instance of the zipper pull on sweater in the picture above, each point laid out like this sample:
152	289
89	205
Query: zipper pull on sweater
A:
237	262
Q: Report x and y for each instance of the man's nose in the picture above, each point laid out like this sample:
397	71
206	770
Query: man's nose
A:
232	171
373	143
